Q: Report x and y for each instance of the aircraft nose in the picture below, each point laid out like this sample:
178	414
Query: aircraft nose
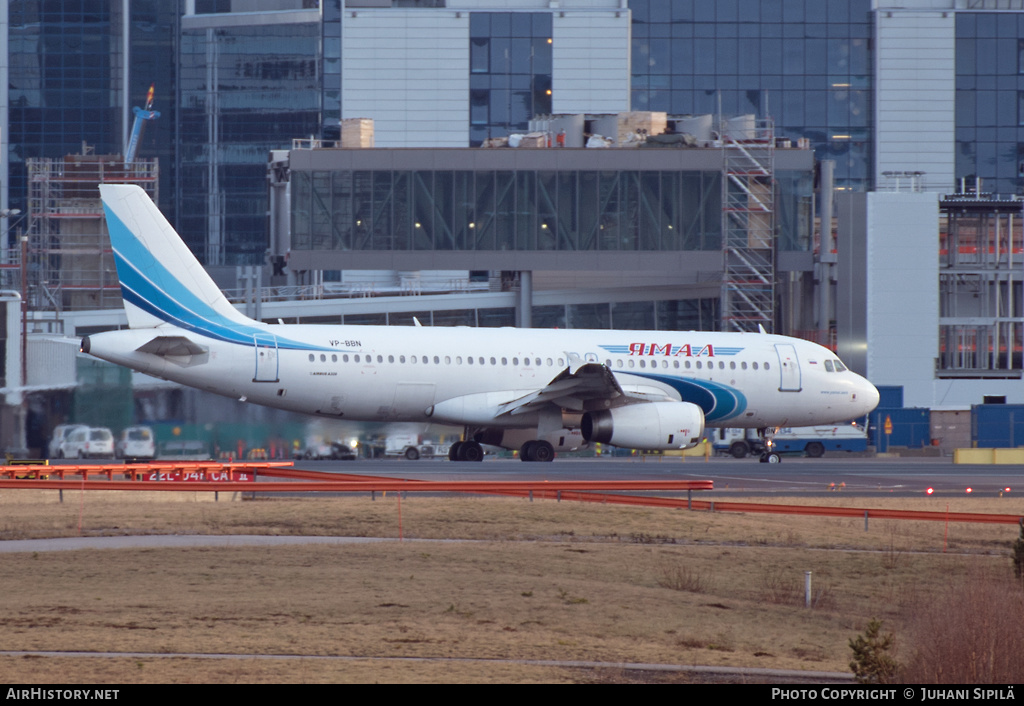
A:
867	396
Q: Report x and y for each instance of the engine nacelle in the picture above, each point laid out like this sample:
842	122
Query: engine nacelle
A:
650	425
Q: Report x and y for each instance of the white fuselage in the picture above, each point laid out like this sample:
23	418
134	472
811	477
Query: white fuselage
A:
376	373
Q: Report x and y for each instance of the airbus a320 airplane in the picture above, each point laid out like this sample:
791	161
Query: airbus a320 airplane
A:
536	391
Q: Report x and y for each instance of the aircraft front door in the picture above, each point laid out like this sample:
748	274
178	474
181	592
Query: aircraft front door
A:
789	368
265	346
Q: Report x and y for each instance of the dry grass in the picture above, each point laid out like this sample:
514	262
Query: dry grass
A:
250	670
28	514
589	583
971	633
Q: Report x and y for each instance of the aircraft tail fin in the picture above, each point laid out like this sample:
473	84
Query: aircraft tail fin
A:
162	282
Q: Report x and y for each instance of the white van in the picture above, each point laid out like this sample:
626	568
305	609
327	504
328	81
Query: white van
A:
136	442
60	433
88	442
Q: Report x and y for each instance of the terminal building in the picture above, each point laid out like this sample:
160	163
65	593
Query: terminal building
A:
907	115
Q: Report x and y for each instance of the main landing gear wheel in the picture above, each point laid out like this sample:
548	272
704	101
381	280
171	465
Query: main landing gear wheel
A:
466	451
739	449
771	458
537	450
471	451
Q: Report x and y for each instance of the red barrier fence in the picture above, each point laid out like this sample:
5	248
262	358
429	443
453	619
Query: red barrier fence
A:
226	477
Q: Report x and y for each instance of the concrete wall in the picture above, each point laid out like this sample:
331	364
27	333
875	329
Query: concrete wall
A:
902	293
591	62
408	70
915	91
851	280
951	428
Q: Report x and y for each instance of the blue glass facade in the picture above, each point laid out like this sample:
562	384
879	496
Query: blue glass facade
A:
244	90
806	63
330	70
66	80
990	100
510	72
153	30
63	83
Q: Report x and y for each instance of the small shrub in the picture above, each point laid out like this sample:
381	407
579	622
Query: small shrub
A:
892	553
683	578
775	586
871	662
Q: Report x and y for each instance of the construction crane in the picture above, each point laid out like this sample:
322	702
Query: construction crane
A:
141	116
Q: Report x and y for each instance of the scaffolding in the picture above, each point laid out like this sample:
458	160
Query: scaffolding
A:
981	312
748	224
69	260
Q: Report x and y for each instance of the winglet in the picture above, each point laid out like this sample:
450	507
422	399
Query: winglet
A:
760	329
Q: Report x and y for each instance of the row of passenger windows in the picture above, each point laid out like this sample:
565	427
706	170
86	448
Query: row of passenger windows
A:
426	360
538	362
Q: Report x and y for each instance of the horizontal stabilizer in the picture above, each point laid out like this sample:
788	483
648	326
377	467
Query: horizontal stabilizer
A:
172	345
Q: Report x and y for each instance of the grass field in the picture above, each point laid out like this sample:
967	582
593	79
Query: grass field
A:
538	581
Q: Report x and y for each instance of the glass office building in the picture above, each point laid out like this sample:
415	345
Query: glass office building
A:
990	100
65	82
806	63
67	77
246	86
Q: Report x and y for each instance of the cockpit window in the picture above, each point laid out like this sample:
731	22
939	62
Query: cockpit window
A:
840	367
829	368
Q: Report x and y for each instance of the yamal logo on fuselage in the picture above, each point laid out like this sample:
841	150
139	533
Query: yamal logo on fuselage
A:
670	350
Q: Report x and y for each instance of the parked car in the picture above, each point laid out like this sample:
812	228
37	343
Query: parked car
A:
184	450
60	434
342	451
334	450
136	442
88	442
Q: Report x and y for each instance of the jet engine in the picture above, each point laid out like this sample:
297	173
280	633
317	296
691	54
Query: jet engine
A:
649	425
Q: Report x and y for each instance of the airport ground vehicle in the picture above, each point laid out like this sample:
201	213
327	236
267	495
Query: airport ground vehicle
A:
813	441
413	447
136	442
188	450
88	442
334	450
60	433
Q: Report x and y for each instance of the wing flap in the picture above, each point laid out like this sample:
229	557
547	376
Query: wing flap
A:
571	389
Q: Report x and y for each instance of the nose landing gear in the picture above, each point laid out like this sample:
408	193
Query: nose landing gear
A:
769	455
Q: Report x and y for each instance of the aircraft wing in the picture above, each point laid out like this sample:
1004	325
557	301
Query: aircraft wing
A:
573	388
172	346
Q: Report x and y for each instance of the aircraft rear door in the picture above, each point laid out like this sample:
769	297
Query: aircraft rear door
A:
265	346
789	368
